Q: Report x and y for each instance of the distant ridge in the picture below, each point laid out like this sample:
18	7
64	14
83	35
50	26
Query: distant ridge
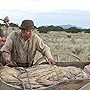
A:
69	26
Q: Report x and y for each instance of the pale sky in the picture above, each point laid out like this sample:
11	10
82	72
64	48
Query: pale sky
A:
45	5
46	12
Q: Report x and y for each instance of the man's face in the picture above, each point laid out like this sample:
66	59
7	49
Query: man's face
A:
26	34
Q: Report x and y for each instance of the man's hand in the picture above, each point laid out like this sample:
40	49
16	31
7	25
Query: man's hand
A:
8	63
51	62
87	69
3	39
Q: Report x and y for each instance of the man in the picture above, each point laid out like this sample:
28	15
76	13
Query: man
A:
21	46
2	38
6	21
87	69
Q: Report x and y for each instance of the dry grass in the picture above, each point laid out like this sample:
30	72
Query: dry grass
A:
77	43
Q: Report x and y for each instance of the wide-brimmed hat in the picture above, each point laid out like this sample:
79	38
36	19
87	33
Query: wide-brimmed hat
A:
27	25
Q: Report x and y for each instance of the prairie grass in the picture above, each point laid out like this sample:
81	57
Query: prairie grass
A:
77	43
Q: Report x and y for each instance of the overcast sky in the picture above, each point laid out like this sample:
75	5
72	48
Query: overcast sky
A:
46	12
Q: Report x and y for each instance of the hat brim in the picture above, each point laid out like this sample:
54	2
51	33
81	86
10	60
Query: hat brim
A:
23	28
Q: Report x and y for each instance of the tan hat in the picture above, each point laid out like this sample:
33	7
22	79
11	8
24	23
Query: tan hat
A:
27	25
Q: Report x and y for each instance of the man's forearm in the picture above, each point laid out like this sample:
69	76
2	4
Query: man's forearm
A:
50	58
48	55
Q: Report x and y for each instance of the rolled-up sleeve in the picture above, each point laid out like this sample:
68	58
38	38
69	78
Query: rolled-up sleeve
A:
43	48
6	49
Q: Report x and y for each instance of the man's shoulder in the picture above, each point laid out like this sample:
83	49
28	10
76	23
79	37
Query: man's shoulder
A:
37	36
15	32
